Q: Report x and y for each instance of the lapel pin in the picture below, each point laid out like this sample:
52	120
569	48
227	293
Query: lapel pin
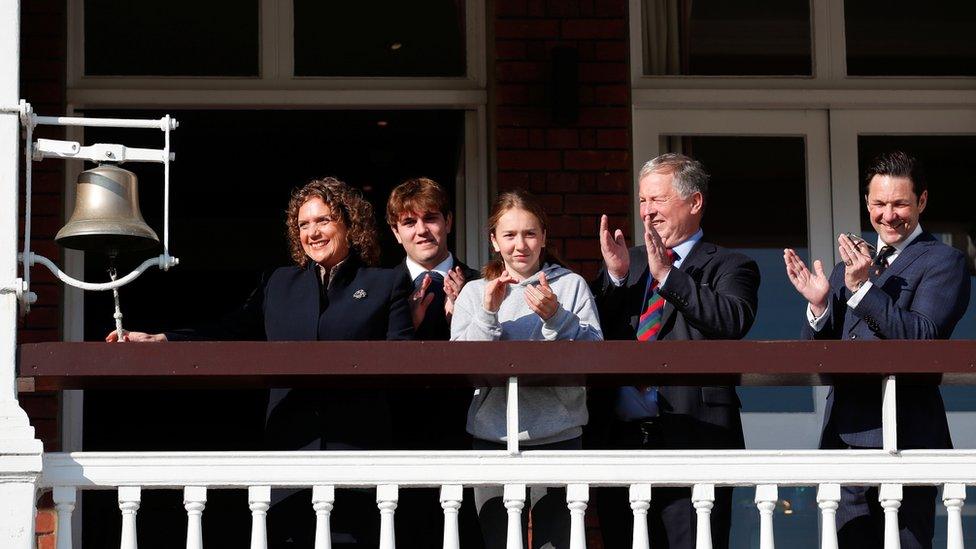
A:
359	294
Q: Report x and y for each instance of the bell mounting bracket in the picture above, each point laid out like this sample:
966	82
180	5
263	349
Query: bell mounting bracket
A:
35	151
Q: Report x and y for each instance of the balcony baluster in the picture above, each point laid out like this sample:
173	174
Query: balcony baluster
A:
259	501
954	496
890	497
64	502
766	498
703	497
129	499
451	496
386	501
640	502
194	500
323	498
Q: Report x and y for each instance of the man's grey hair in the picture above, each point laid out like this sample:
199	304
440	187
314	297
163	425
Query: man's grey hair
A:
690	176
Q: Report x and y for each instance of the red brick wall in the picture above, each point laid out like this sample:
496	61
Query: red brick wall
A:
582	170
42	83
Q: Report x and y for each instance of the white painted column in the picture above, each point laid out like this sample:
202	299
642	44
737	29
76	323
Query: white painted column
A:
194	501
766	497
512	416
703	498
640	502
451	496
890	497
828	499
953	496
323	499
20	452
889	415
514	497
259	501
386	500
64	502
577	496
129	499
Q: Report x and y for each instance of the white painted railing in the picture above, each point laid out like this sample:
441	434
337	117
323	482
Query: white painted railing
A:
579	472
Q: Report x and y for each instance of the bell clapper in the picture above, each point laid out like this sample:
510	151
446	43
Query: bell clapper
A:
113	274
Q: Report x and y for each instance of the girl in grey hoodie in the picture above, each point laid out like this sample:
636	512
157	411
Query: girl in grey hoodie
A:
525	295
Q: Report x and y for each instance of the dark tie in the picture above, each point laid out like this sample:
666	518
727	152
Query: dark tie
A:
881	260
436	281
434	324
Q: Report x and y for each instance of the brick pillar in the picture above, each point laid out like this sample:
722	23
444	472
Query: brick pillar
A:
43	70
580	169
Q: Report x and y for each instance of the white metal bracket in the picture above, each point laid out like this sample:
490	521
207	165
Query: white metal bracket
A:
99	152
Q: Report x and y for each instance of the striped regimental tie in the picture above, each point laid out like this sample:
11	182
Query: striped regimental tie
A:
641	402
650	319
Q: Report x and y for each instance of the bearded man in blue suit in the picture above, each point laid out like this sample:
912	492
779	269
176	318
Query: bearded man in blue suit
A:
913	287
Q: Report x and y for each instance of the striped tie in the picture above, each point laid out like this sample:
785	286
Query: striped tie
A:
650	319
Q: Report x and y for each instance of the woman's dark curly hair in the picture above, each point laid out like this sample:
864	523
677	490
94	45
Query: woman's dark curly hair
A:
346	202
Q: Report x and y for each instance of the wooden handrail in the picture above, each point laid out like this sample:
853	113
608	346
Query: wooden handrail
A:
54	366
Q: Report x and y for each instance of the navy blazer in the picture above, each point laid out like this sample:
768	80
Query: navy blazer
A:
435	327
362	303
922	295
714	295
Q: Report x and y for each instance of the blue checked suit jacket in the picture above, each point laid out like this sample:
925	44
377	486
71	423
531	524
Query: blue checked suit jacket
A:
922	295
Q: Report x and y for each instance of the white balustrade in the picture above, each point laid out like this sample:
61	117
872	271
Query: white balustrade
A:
577	495
323	499
828	499
953	496
640	502
766	497
259	501
890	497
129	499
64	502
194	500
451	496
577	471
386	501
703	498
514	498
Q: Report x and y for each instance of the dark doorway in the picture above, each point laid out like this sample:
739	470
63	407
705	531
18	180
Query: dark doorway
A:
231	181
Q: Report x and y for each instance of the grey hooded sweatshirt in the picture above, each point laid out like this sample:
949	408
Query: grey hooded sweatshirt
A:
546	414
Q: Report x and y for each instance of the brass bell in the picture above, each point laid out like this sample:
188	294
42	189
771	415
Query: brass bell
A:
106	217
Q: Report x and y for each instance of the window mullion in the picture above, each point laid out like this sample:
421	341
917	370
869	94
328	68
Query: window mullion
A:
270	34
285	40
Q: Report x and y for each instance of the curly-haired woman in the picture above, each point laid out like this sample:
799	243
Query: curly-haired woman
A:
331	293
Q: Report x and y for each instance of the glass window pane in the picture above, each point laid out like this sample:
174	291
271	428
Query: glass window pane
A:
760	229
712	37
908	38
172	38
408	39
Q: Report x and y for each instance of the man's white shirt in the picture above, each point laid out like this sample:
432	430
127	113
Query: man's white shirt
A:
681	250
817	323
442	268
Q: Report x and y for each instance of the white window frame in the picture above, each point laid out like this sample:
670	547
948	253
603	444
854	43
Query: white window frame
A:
276	64
651	125
845	127
829	62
